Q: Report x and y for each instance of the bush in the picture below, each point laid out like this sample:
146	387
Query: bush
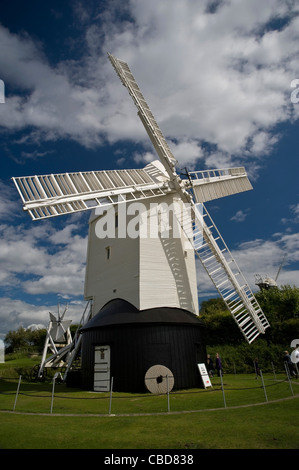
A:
25	340
240	358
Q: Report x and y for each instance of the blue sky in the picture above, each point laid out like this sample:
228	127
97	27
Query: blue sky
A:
217	76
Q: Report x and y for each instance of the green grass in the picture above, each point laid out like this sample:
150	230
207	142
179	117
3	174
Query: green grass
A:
197	418
240	390
262	427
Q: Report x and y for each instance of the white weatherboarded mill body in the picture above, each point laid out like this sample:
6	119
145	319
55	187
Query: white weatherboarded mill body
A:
147	271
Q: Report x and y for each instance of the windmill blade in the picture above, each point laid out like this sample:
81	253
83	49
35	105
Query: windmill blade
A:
59	328
280	266
158	140
52	318
213	184
226	276
60	317
52	195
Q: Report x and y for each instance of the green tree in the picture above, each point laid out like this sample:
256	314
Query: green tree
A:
28	340
25	340
16	340
220	325
281	307
280	304
212	306
36	338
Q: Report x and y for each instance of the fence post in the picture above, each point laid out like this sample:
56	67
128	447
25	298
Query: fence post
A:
110	399
17	393
168	405
52	398
223	394
273	368
263	385
288	376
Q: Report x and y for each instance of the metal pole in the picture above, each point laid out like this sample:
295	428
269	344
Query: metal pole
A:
110	400
273	368
17	393
254	365
52	399
223	394
263	385
168	405
288	376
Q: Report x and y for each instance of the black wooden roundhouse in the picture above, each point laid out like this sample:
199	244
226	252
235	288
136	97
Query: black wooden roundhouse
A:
138	340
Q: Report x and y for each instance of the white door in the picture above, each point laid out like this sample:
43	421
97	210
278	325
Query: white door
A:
101	369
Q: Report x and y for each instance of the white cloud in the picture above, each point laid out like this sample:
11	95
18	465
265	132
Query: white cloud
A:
240	216
42	259
144	158
295	209
185	151
18	313
258	257
53	105
262	257
220	77
294	218
9	206
224	82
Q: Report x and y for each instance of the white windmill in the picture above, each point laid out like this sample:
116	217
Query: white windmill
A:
151	271
58	343
266	282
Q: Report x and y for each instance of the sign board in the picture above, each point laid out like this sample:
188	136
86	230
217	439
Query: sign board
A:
204	375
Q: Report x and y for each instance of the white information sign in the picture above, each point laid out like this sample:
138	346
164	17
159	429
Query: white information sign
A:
204	375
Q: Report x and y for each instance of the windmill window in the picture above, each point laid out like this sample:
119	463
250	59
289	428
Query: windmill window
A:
108	252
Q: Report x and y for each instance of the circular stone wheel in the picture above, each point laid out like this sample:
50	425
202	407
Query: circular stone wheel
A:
156	379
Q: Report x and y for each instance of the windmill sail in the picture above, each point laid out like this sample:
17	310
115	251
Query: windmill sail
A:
145	114
208	185
226	276
51	195
59	328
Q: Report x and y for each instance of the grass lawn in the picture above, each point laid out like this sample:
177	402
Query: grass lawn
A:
197	418
261	427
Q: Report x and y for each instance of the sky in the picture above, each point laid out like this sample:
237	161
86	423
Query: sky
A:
222	80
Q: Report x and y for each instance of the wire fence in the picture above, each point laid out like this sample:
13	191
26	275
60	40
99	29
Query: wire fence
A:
257	393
